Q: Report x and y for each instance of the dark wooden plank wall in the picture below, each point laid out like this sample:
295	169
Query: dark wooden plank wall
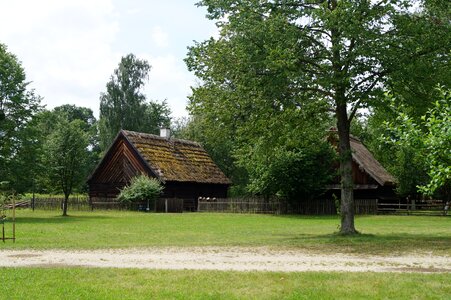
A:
361	177
191	191
120	165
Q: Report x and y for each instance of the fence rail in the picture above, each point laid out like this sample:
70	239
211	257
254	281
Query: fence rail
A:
276	206
82	203
246	205
55	203
428	207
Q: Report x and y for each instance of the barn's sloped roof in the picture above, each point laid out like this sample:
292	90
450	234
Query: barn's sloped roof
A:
175	159
366	161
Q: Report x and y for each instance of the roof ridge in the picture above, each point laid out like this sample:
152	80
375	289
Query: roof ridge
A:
155	136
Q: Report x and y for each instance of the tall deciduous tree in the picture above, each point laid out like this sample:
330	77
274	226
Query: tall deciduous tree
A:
65	156
280	54
18	106
124	106
46	123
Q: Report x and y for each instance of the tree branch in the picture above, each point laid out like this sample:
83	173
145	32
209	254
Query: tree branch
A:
374	74
357	105
354	110
313	5
317	90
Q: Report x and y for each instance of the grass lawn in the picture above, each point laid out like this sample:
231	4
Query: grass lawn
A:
85	283
115	229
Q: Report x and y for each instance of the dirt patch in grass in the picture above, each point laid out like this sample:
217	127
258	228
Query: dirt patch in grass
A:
24	255
225	258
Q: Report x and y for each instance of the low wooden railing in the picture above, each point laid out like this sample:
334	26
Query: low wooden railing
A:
428	207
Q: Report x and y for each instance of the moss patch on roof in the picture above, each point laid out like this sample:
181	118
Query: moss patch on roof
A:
176	160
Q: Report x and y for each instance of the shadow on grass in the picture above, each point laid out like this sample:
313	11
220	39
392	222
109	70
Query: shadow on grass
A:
58	219
307	217
374	243
334	217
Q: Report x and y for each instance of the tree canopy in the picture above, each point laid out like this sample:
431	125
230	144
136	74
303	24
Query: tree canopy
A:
274	56
66	155
428	142
18	107
124	106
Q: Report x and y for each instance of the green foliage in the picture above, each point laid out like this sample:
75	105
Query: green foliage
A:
89	125
438	144
292	160
4	192
124	106
7	194
66	155
18	107
141	188
277	56
415	74
400	161
425	145
294	175
46	123
84	114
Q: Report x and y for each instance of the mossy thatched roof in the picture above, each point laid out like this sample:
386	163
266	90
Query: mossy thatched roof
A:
175	159
366	161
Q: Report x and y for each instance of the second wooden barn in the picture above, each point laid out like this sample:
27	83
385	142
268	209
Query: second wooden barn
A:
371	180
184	167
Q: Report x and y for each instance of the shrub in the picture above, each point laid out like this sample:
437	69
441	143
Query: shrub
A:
141	188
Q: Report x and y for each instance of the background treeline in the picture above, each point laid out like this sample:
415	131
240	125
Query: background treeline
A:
265	100
281	73
54	151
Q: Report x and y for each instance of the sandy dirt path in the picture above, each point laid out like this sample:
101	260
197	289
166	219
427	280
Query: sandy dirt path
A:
224	258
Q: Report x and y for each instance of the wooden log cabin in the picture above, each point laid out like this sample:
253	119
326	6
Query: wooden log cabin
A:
371	180
183	167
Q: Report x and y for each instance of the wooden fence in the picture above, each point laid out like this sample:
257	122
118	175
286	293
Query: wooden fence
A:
276	206
239	205
247	205
55	203
160	205
82	203
425	207
365	206
171	205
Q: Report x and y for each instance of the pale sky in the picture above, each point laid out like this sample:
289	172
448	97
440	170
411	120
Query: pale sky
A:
69	48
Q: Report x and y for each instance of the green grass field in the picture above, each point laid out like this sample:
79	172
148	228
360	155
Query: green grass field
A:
85	283
115	229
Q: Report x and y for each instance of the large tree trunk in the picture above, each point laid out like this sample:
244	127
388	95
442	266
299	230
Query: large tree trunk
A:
343	124
347	189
